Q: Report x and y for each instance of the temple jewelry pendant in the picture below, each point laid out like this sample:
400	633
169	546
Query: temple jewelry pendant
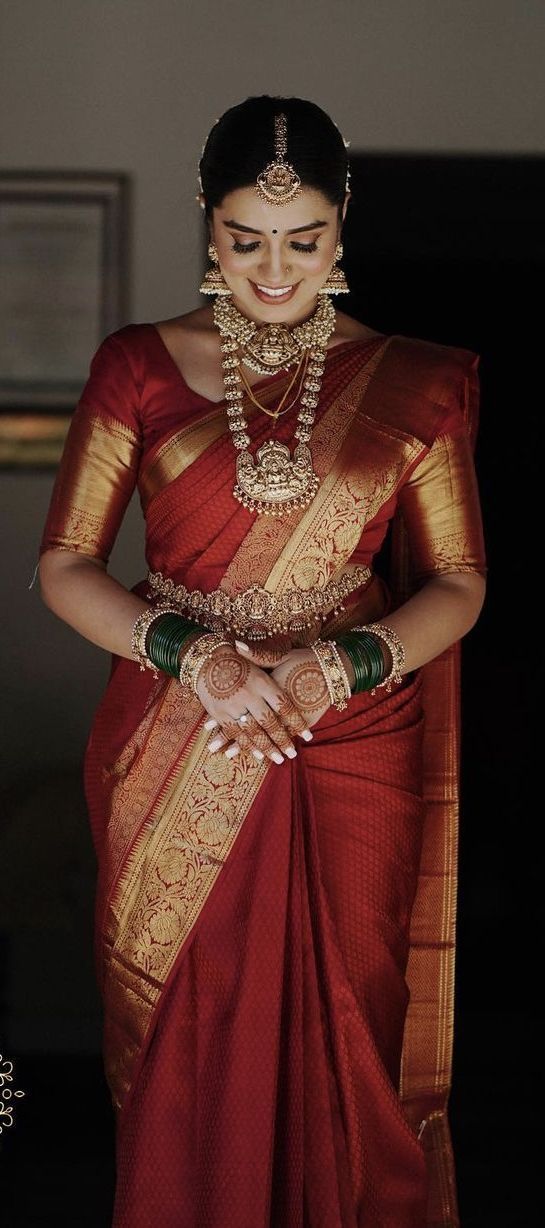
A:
271	348
275	483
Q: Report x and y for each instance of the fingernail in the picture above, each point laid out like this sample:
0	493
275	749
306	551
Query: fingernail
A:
307	735
278	758
231	750
291	753
211	724
258	753
215	744
244	647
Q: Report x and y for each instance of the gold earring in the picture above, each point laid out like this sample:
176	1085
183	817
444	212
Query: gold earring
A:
336	282
214	281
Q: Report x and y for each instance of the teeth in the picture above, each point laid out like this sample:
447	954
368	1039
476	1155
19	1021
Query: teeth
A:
274	293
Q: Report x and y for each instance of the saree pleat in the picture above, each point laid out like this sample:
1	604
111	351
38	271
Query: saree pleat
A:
274	945
268	1092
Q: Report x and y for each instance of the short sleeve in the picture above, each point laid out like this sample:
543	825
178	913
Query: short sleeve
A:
440	501
98	469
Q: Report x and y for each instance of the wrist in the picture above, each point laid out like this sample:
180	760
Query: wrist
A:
347	662
189	641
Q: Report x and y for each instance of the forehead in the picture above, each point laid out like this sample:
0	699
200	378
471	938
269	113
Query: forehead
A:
244	205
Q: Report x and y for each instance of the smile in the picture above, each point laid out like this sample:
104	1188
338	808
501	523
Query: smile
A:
266	293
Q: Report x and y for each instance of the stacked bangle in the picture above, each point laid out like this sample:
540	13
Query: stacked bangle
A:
166	637
158	635
363	648
195	657
336	677
367	659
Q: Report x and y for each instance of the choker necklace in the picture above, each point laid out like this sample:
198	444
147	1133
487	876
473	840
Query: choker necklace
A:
275	483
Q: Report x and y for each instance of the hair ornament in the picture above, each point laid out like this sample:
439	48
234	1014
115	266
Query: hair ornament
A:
279	182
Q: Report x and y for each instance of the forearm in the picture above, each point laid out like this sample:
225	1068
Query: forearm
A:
79	591
440	613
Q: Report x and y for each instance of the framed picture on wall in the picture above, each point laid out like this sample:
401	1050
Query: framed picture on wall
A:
64	286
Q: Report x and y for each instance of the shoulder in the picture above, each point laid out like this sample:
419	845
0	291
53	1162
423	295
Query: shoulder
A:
127	350
431	384
349	329
438	370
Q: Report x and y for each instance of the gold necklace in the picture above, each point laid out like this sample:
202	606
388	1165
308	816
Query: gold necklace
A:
276	413
274	347
275	483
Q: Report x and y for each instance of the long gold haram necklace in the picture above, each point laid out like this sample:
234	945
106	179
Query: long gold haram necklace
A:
275	483
281	407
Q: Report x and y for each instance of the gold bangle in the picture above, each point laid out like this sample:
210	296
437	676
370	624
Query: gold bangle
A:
336	678
391	638
195	657
141	628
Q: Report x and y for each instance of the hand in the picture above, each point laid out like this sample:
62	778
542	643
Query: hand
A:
229	684
302	680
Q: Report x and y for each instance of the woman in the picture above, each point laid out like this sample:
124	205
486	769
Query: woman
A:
256	769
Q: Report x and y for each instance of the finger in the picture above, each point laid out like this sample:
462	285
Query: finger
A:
210	723
290	714
257	738
239	736
217	741
271	725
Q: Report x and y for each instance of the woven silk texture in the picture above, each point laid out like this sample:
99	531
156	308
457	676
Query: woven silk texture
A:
274	944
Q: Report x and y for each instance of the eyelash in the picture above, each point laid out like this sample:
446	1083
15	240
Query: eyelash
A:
250	247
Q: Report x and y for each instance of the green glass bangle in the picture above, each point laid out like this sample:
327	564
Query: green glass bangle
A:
160	631
166	651
371	648
165	637
169	642
360	663
367	659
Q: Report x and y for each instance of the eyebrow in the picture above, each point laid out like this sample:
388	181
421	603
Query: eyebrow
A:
296	230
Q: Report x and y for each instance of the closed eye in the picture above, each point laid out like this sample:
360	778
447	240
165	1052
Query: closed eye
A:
251	247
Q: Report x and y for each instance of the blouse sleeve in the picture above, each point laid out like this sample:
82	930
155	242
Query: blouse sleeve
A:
98	469
440	501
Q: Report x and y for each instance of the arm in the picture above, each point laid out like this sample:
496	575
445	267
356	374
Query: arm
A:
440	613
440	505
79	590
94	482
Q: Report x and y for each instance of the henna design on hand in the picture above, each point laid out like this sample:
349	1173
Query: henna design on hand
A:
289	713
306	685
275	729
224	674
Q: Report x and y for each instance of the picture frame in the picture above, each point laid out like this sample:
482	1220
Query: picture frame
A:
64	254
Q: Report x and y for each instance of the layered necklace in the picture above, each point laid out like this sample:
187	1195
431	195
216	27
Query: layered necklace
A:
275	483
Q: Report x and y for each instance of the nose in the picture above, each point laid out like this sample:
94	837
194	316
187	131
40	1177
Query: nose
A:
273	268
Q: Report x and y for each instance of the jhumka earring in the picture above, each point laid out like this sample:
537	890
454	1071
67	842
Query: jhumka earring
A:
336	282
214	281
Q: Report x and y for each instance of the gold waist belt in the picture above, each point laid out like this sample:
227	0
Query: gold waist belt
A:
255	612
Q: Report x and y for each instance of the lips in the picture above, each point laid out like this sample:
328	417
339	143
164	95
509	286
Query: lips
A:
270	294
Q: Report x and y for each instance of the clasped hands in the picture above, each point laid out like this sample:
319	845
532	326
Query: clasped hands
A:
280	689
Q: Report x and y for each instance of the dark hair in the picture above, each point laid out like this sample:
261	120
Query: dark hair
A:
241	143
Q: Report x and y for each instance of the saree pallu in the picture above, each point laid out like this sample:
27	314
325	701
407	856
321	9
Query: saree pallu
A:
255	922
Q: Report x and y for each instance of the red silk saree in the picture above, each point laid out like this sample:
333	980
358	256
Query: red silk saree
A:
275	944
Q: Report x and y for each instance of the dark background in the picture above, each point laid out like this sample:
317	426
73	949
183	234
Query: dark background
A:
452	249
448	248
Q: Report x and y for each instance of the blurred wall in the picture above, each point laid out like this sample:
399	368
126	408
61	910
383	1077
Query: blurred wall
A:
135	85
